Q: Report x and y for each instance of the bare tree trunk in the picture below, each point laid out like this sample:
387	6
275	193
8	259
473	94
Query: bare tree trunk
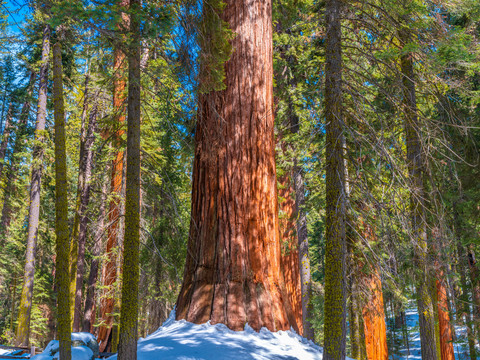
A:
335	248
12	171
289	253
61	211
89	313
6	136
232	273
416	164
109	275
81	216
445	327
127	346
23	327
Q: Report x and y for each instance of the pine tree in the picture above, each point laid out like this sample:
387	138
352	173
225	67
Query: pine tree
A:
61	210
335	252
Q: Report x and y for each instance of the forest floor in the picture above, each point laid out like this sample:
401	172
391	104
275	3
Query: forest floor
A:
187	341
413	350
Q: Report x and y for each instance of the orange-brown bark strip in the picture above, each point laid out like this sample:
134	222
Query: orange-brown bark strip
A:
232	273
109	273
374	319
289	252
446	335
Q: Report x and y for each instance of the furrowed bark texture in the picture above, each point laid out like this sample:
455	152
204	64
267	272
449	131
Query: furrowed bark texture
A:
127	347
289	253
232	273
335	248
61	211
81	217
374	319
109	275
89	312
415	161
23	327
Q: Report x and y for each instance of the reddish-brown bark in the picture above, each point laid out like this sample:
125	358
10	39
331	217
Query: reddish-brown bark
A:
446	336
374	319
289	249
109	273
232	273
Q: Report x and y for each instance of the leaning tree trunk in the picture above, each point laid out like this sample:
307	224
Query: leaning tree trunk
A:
23	327
415	162
232	273
127	346
335	247
61	211
109	275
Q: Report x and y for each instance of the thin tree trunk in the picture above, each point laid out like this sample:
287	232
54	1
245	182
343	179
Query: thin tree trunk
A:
415	161
89	313
232	273
61	211
12	171
335	248
463	308
127	347
23	327
6	136
289	252
81	216
475	283
109	273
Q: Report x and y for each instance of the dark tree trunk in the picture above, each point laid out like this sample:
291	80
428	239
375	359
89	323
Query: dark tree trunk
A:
6	136
12	171
89	313
232	273
127	347
335	247
23	329
61	211
416	164
81	217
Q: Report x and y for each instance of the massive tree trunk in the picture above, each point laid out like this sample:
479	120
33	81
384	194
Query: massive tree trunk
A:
289	252
335	248
81	217
232	273
89	313
418	234
61	211
109	274
127	346
23	327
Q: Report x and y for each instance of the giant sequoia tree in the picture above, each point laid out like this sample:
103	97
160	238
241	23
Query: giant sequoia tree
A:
232	273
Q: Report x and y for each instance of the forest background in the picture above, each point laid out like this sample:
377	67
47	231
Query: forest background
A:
441	39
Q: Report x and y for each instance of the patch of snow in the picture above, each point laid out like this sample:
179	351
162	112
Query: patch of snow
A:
5	351
78	353
187	341
83	336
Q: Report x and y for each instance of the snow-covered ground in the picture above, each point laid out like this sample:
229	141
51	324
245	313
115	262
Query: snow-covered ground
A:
413	352
186	341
